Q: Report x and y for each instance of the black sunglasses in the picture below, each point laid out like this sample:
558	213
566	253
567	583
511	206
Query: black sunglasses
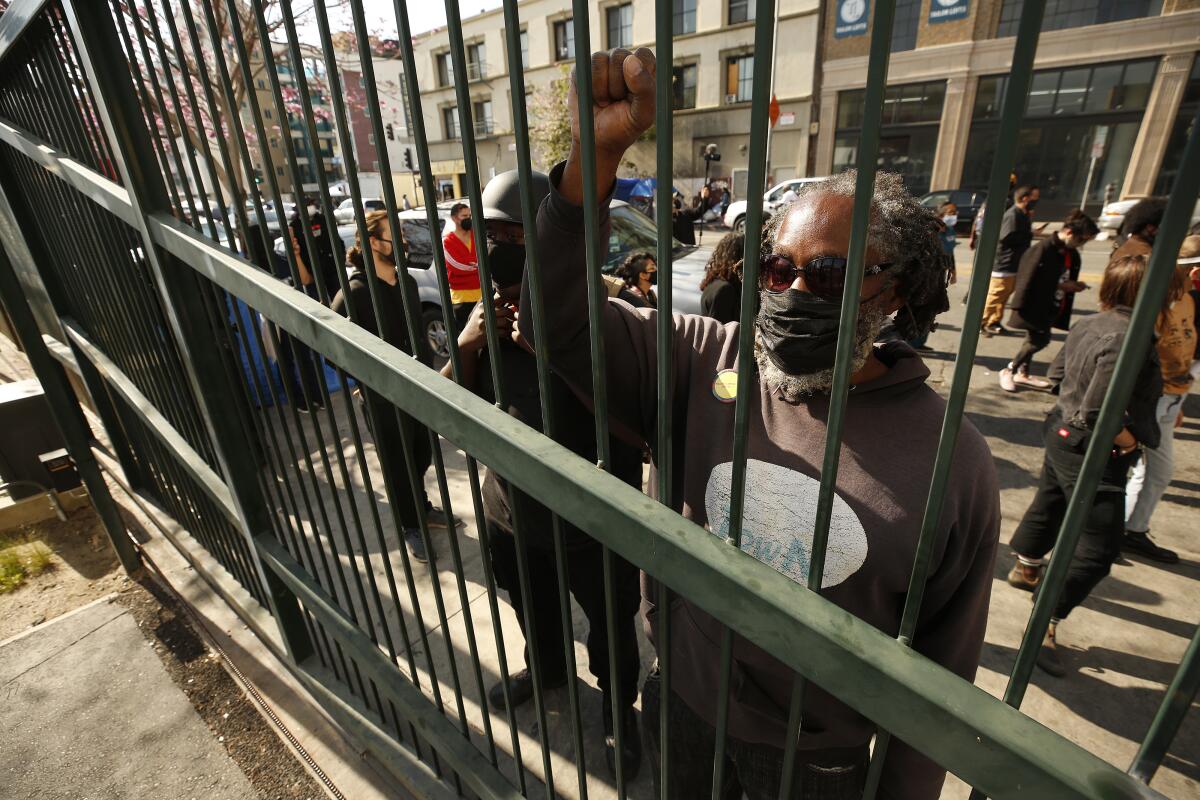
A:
825	276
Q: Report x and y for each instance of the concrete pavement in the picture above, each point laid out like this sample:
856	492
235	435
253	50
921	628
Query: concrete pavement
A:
87	711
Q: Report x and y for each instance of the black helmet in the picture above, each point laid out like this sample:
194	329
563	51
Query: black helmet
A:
501	197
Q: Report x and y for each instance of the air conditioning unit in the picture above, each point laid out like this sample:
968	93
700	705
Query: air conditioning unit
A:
731	98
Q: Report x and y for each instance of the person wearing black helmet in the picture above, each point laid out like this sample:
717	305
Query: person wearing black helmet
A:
573	422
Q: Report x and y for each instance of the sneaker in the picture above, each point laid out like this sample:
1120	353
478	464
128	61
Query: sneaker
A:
1006	380
520	689
1139	542
416	547
436	518
631	742
1048	658
1023	378
995	329
1024	576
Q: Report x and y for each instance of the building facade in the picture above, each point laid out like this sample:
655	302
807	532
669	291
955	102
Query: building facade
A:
1115	86
712	68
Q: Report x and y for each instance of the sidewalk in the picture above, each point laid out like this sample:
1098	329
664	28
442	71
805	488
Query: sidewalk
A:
89	711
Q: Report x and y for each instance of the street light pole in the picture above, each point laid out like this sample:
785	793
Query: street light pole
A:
771	127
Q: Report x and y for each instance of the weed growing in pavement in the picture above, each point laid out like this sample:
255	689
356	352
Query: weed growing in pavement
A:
21	559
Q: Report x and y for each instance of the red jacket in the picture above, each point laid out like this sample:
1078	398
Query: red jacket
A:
460	263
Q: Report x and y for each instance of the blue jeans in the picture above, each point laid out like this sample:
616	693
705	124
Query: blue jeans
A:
1152	474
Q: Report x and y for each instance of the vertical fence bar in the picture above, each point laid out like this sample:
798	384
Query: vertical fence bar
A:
64	405
1174	708
512	27
746	369
1017	90
93	31
664	45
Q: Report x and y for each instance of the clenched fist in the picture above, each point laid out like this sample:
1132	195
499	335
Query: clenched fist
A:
623	109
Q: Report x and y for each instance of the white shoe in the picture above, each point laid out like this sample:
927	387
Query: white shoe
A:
1006	380
1023	378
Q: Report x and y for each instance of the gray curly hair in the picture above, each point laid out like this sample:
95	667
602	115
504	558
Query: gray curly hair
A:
902	231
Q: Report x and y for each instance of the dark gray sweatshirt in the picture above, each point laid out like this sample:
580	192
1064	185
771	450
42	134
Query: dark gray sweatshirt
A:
891	432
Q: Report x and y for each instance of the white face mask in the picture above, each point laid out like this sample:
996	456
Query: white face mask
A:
951	220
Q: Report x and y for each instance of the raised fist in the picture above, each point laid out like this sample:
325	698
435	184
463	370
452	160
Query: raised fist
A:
623	94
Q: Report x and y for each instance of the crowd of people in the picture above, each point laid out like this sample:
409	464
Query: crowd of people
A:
891	429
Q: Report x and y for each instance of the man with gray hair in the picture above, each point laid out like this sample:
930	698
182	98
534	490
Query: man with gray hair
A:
891	430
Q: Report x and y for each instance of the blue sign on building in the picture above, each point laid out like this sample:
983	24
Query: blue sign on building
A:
851	18
947	10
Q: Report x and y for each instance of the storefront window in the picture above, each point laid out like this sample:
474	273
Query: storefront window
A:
1061	14
912	115
1078	133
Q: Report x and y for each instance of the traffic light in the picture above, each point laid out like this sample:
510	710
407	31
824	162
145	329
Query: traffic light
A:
408	159
391	133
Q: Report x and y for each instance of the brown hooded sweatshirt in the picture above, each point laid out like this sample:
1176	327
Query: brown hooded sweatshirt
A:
891	433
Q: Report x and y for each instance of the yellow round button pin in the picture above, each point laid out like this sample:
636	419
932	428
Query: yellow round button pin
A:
724	386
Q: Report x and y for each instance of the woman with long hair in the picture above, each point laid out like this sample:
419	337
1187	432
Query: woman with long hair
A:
1083	370
640	273
721	288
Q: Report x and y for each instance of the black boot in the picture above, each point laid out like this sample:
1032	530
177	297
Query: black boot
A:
520	689
631	742
1139	542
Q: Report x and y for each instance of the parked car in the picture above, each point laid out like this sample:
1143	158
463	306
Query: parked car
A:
735	215
968	202
344	213
1113	214
630	231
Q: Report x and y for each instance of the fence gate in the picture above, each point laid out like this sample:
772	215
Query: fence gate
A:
135	237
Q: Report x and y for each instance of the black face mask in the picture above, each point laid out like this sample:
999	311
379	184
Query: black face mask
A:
507	263
465	224
653	277
1030	205
799	331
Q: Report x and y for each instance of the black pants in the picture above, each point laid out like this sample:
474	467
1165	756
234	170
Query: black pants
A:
585	579
1100	542
296	359
1035	342
396	461
753	769
462	311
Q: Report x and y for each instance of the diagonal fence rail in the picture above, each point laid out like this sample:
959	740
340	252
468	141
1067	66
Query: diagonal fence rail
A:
138	242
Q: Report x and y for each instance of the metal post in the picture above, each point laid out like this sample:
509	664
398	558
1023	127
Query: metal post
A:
68	414
95	36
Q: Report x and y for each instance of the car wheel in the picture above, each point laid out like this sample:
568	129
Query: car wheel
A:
739	224
435	334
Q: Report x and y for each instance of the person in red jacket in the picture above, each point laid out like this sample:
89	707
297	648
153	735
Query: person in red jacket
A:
461	269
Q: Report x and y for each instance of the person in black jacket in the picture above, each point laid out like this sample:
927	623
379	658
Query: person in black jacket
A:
1083	370
390	426
721	288
683	219
1047	282
1016	234
505	506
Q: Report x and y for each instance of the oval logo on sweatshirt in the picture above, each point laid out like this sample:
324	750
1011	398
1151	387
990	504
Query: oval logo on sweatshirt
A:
780	516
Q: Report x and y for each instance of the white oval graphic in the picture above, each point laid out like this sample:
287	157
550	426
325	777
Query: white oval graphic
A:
853	10
780	515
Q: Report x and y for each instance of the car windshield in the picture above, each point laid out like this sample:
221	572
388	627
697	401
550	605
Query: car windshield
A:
631	230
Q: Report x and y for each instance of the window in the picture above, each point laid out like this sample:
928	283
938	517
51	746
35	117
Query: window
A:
1070	115
620	25
445	69
1062	14
904	29
371	139
911	121
482	112
739	79
450	122
525	49
476	61
683	85
267	113
683	17
564	40
261	83
740	11
279	171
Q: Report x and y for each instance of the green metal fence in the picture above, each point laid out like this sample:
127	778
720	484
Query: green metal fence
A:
129	263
